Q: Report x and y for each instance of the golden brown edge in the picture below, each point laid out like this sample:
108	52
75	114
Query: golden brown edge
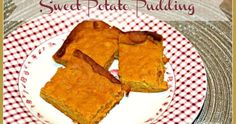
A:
92	24
99	69
137	37
96	24
155	38
96	67
134	38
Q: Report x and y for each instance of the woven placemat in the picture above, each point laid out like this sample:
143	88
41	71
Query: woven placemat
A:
213	40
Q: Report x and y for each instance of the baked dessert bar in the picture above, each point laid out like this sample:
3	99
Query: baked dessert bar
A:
96	39
83	90
141	61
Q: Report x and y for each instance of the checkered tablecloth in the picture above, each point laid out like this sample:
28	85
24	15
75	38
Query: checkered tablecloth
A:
187	65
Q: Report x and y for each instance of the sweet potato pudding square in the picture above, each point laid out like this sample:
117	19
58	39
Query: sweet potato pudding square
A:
141	61
95	38
83	90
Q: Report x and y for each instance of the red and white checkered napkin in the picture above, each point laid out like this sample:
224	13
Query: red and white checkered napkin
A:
187	65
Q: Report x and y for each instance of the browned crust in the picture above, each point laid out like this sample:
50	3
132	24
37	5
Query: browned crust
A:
165	59
156	37
96	67
89	24
137	37
100	70
134	36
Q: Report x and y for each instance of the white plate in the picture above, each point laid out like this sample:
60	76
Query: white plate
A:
37	40
134	109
